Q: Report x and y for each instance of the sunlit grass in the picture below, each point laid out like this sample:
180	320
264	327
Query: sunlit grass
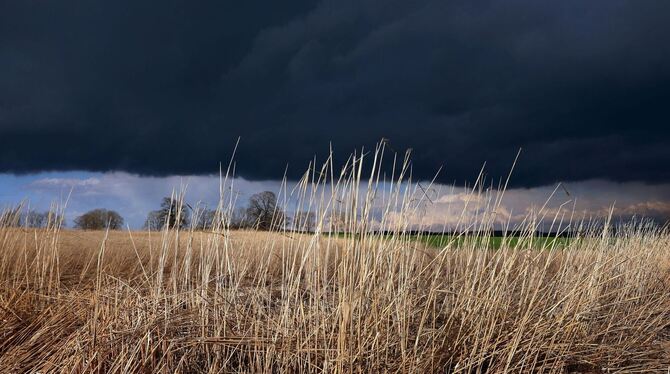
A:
243	301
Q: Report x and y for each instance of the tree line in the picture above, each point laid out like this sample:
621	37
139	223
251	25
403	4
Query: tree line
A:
32	218
261	213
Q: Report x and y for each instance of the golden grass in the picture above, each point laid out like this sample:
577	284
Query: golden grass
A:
260	302
245	301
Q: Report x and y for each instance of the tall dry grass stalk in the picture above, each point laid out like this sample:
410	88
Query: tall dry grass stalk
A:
244	301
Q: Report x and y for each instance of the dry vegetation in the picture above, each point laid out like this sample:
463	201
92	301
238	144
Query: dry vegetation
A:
244	301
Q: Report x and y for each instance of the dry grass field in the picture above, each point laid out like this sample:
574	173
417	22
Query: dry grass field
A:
182	301
78	302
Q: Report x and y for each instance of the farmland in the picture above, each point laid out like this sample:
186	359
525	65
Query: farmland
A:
494	241
187	300
250	301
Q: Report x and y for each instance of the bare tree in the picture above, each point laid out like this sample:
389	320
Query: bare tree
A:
338	221
10	217
238	219
153	221
99	219
172	213
263	212
304	221
35	219
205	219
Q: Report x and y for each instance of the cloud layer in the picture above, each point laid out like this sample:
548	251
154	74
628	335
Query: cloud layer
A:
167	88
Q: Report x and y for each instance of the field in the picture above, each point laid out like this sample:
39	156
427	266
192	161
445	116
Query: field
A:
264	302
187	301
492	241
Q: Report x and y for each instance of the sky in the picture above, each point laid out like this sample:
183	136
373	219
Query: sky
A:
119	101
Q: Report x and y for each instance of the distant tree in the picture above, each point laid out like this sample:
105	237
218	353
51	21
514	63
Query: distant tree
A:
338	221
37	220
263	212
55	219
172	213
238	219
153	221
304	221
10	217
205	219
99	219
33	219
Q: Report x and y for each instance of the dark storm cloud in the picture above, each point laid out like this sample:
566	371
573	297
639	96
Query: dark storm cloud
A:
167	87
